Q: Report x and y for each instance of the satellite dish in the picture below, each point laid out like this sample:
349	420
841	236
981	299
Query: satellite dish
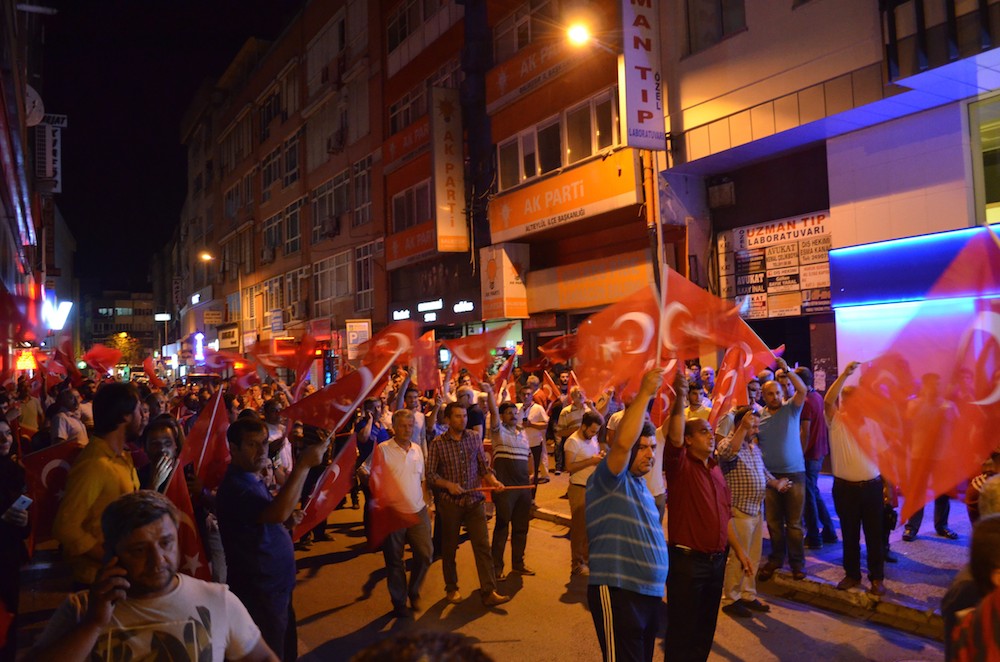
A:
34	109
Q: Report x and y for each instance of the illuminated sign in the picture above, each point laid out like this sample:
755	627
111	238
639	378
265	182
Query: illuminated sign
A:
403	314
195	299
161	317
425	306
464	307
25	361
54	313
639	81
430	317
199	346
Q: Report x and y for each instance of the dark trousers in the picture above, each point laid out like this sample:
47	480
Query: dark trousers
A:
694	590
942	509
451	518
819	525
513	511
783	514
859	505
536	455
560	453
626	623
419	538
274	615
10	584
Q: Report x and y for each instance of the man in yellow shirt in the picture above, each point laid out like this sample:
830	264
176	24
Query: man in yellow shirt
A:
102	472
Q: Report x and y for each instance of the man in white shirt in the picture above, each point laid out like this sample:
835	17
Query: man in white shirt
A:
409	398
857	489
404	460
534	420
140	607
583	454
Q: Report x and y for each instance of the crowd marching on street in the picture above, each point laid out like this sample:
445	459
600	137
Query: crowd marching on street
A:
179	507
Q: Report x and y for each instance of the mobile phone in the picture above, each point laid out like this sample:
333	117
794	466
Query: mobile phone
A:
22	503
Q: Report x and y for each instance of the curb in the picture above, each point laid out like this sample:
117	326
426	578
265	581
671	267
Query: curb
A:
895	612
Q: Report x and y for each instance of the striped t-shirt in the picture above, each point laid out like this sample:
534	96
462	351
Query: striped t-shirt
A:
510	455
627	546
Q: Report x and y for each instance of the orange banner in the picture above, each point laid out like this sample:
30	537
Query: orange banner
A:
596	187
405	142
410	245
527	70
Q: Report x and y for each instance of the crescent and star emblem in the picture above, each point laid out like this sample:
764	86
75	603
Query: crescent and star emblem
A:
51	466
669	312
645	322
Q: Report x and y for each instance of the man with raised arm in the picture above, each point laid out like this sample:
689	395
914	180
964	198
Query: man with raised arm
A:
628	554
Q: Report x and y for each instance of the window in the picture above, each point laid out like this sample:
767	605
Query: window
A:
248	189
272	232
232	201
293	226
269	109
711	20
331	281
292	160
984	123
274	293
407	17
322	50
362	191
408	109
529	23
271	169
290	93
297	287
233	307
411	206
586	128
236	144
364	274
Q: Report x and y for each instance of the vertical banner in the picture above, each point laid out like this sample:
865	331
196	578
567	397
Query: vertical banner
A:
449	172
358	332
640	84
502	281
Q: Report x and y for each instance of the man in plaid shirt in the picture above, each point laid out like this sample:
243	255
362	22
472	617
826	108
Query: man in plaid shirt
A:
456	467
748	479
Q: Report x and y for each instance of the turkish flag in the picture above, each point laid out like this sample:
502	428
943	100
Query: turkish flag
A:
388	341
384	514
150	370
64	357
694	318
102	359
6	620
194	560
664	400
935	392
268	362
206	446
561	349
475	352
331	407
305	354
502	377
730	383
333	485
426	363
46	472
541	363
619	342
548	391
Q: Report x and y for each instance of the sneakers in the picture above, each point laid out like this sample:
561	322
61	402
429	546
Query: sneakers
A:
737	610
947	533
756	605
454	597
909	535
494	599
848	583
878	588
524	570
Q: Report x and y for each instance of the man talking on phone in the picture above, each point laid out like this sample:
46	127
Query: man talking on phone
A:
140	607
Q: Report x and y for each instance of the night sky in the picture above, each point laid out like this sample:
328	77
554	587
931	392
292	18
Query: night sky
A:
125	72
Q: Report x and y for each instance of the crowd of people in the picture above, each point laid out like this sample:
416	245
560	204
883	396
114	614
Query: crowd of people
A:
443	452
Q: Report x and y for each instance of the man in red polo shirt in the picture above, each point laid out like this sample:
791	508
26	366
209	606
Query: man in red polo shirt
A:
698	532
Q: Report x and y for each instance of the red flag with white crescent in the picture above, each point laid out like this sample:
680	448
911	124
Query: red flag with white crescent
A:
101	358
935	392
561	349
150	370
426	363
385	516
206	446
730	383
475	352
46	472
333	485
194	560
502	377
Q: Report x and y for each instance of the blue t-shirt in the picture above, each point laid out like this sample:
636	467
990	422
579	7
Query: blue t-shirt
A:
260	558
627	546
781	441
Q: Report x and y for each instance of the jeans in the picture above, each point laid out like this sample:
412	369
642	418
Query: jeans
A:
783	512
860	505
273	614
513	511
942	509
451	518
694	590
816	514
626	622
419	538
559	446
749	531
578	542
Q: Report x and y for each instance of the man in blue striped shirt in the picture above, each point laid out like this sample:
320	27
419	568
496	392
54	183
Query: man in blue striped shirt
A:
628	552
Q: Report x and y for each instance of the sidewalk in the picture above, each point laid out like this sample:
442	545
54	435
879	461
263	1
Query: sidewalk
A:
915	585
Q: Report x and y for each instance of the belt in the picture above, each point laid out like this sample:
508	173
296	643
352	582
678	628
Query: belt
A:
711	556
858	483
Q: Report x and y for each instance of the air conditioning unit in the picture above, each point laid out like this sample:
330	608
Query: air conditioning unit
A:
298	310
267	255
335	143
331	226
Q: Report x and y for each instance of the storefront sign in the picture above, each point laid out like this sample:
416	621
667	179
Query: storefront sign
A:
229	338
449	171
779	268
530	68
212	317
358	332
410	245
276	320
639	81
407	141
501	281
588	284
593	188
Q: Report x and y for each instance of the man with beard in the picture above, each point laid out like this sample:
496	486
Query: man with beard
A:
628	555
139	607
102	472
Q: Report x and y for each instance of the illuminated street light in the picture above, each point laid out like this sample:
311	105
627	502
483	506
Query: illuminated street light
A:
578	34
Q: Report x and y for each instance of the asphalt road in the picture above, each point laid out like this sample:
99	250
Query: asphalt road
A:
343	605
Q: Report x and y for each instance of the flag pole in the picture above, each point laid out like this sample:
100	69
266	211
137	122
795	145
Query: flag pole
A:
661	267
